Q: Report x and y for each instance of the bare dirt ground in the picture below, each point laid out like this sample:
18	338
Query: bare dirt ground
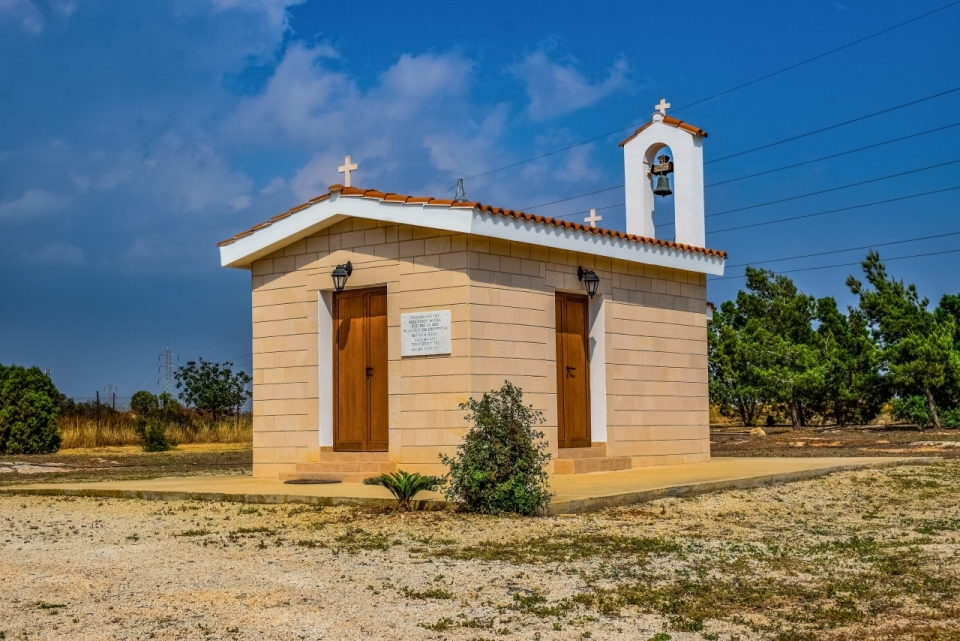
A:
781	441
871	554
125	462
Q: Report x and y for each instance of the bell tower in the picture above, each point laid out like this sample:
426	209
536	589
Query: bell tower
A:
641	167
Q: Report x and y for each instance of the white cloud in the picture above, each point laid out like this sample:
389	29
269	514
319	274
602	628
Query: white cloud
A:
57	253
276	185
274	10
416	115
577	166
34	15
194	176
32	202
555	88
188	174
469	152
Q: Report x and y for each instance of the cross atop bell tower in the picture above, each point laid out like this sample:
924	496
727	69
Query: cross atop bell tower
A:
641	168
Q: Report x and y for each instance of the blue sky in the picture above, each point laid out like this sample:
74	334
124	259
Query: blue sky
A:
135	136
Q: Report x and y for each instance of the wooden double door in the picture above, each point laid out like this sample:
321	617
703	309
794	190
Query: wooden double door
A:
360	400
573	370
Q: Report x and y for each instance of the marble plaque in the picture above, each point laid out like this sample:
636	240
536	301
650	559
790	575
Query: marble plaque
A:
425	333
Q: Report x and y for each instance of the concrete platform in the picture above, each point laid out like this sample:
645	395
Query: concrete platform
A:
574	493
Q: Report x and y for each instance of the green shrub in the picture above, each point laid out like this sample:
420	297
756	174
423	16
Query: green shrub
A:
950	418
404	486
153	435
500	466
913	410
143	403
29	408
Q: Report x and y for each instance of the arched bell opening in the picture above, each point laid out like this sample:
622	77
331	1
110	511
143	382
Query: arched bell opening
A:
658	162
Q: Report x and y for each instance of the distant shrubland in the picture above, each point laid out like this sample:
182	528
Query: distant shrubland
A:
783	354
36	418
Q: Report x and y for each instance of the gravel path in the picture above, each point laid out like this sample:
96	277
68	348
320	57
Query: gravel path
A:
127	569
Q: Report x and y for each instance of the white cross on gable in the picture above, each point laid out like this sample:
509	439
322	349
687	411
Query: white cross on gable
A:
593	218
662	107
345	169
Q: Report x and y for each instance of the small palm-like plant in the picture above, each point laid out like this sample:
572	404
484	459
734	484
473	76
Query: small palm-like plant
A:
404	486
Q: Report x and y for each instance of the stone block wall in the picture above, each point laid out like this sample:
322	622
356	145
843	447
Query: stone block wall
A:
501	298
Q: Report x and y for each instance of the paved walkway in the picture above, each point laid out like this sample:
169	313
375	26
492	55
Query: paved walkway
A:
574	493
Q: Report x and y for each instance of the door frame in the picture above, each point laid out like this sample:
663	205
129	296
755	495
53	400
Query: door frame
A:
334	342
558	295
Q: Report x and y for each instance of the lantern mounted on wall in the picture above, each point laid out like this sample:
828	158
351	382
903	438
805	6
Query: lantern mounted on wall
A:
340	276
590	280
660	171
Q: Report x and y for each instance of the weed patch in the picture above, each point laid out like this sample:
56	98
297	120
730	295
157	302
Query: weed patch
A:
562	548
433	593
538	606
356	539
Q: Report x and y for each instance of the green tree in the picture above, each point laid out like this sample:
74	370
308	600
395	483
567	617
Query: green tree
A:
501	464
213	388
926	362
144	403
29	409
735	388
918	346
763	350
853	390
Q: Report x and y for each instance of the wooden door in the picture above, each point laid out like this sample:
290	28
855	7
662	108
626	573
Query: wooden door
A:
573	370
360	370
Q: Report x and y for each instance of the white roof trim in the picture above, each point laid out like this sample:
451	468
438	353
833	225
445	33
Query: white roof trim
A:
241	252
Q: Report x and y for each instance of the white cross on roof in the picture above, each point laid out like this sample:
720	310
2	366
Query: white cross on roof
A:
662	107
593	218
345	169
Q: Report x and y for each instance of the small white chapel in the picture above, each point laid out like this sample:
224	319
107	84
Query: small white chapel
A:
375	314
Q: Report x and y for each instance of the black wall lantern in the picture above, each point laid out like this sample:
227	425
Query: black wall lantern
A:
340	276
590	280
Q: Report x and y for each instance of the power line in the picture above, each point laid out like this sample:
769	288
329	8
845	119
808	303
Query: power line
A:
839	124
822	55
716	95
591	193
833	211
772	202
149	371
234	360
824	191
563	200
807	269
587	211
837	155
848	249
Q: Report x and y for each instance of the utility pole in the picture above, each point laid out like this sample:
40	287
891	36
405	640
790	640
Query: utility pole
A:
110	392
96	438
166	368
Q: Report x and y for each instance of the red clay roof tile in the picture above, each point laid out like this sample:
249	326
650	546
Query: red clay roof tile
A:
419	200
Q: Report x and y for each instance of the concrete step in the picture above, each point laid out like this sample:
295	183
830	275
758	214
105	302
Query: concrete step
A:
587	465
596	450
347	467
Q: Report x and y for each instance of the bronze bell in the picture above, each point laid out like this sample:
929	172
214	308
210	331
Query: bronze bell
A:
663	186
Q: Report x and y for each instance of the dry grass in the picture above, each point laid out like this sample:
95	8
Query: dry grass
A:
862	555
119	429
